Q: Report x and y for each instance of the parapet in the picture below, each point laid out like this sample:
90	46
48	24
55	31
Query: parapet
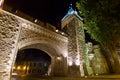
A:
29	18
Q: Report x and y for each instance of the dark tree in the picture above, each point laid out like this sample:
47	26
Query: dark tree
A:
102	22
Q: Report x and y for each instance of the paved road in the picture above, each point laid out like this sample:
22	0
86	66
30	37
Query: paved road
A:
103	77
58	78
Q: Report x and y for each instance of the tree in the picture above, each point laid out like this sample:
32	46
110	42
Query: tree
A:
102	22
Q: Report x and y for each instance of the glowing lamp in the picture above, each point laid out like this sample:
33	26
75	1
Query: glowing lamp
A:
59	58
56	30
70	63
24	68
96	74
77	62
62	33
18	68
65	55
1	4
35	20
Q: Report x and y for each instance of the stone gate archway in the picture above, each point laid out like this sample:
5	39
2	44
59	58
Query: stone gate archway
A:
17	33
53	52
50	42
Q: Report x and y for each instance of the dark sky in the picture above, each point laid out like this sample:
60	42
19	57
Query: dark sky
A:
47	10
51	11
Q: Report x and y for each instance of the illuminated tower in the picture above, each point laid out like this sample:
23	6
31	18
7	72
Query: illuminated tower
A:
72	26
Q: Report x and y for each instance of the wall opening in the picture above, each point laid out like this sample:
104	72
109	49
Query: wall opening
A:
32	62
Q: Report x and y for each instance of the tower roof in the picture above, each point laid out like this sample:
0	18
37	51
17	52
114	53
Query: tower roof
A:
70	12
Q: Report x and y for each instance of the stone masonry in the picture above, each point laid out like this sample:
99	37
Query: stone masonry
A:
76	41
16	33
9	34
66	49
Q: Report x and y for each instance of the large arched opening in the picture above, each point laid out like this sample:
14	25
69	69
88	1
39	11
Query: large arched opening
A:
32	62
26	51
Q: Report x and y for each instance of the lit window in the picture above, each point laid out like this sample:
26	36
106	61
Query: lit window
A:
24	67
18	68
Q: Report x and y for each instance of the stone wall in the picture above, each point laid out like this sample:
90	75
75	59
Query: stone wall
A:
99	63
9	33
76	41
95	60
88	58
16	33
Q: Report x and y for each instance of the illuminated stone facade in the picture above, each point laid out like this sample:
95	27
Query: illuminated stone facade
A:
17	33
66	49
99	63
73	25
95	60
9	34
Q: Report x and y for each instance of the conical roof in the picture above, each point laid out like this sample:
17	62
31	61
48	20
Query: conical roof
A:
70	12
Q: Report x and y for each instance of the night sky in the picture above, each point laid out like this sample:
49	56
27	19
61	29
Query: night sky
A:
51	11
